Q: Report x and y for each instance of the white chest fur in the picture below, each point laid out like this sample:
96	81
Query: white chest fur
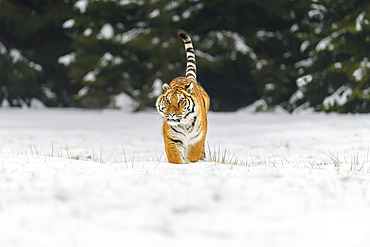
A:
187	134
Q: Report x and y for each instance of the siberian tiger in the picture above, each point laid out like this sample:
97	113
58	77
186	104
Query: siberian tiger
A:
184	105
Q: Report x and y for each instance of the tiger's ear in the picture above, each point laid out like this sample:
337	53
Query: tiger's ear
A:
189	87
165	87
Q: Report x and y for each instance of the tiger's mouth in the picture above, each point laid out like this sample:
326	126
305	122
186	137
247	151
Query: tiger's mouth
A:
173	120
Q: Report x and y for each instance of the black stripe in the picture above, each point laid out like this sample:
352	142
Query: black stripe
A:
196	135
190	69
177	131
190	50
199	128
176	141
188	42
192	110
192	124
191	61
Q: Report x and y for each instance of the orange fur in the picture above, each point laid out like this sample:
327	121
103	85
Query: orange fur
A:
196	151
184	106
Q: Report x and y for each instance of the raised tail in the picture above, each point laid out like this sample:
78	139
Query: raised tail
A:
191	68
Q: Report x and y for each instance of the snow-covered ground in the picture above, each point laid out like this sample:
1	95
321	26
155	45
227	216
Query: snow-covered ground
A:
100	178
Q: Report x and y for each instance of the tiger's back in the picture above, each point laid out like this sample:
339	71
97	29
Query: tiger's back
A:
184	106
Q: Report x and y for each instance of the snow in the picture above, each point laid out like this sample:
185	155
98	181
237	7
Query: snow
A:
83	91
35	66
360	20
317	11
81	5
296	96
303	81
5	103
175	18
326	42
87	32
49	93
131	34
69	23
323	44
240	45
127	2
90	76
106	32
157	88
270	86
207	56
340	97
258	105
366	91
124	102
304	45
3	49
189	11
100	178
154	13
304	63
36	103
263	35
294	28
338	65
260	63
359	73
109	58
67	59
16	55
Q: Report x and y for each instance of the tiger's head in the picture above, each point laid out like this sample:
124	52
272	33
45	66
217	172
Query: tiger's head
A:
176	105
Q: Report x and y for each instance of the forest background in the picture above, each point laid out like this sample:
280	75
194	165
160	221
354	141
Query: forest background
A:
294	54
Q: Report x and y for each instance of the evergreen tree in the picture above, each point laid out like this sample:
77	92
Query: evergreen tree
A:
336	75
32	39
122	47
125	46
289	53
261	55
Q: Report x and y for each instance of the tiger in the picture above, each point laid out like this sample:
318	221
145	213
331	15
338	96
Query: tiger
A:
183	106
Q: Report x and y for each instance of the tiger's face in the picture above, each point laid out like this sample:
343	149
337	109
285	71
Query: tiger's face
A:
176	105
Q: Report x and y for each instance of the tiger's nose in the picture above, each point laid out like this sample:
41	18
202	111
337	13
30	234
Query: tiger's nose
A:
172	114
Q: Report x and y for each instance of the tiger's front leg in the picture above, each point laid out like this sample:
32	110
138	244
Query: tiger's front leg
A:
173	150
196	151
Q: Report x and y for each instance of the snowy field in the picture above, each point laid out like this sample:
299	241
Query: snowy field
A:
100	178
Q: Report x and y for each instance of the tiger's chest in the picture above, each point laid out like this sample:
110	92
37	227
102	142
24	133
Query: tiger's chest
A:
188	134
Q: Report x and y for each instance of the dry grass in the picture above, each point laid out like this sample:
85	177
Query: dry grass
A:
66	153
356	162
218	155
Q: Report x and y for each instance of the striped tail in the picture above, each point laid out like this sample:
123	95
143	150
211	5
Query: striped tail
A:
191	68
